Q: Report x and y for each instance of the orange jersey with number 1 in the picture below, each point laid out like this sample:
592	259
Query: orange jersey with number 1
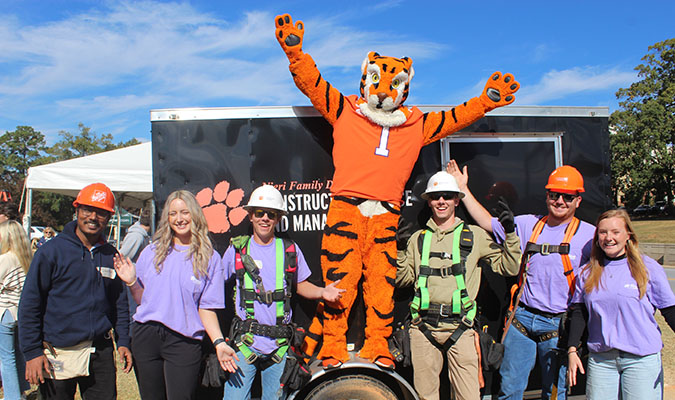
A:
372	162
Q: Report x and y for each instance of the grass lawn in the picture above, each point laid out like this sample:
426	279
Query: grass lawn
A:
655	231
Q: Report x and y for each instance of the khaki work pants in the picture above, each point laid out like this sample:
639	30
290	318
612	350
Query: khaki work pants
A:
427	361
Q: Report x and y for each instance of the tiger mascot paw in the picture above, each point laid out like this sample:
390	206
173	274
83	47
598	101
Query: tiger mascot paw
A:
289	36
499	90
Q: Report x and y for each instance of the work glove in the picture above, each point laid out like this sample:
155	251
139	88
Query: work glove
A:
505	215
403	233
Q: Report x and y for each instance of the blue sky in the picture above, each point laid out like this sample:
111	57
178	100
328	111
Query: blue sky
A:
107	64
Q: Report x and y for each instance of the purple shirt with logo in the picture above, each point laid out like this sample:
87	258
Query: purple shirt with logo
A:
617	317
265	258
546	288
174	296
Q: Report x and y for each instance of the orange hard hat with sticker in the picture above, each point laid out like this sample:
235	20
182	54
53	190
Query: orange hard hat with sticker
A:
96	195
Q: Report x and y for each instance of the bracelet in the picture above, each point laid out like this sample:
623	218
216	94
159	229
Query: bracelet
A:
571	351
132	283
218	341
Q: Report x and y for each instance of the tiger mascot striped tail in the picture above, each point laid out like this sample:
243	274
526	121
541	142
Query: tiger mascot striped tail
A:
376	143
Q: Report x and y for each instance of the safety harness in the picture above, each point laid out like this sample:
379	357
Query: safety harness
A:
463	308
544	249
251	289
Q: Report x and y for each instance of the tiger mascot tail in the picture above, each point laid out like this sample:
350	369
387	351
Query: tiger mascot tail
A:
376	143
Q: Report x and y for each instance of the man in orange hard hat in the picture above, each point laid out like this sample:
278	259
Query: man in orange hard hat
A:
71	302
554	247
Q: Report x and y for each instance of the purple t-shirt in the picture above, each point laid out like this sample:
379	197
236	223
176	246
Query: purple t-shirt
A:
546	288
265	258
617	317
174	296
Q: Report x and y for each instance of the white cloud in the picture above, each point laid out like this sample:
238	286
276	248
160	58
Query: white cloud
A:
556	84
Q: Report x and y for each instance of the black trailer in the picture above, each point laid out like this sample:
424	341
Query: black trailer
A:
225	153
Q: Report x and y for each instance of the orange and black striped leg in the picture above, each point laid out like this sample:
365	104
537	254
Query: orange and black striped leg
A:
340	260
313	334
378	285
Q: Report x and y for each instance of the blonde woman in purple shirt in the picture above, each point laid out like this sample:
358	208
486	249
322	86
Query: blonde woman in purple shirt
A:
617	295
177	282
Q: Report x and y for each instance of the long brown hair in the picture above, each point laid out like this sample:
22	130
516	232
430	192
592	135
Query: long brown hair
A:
637	267
201	248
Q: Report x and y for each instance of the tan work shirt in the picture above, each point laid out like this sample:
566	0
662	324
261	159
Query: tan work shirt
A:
504	260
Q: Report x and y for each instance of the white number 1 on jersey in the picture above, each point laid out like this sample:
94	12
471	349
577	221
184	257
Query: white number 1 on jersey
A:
384	138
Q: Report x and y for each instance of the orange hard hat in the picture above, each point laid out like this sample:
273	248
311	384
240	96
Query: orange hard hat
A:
96	195
566	179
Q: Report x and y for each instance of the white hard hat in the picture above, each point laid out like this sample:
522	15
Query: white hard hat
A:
442	182
266	196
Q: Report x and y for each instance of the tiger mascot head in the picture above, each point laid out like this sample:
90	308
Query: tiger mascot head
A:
385	83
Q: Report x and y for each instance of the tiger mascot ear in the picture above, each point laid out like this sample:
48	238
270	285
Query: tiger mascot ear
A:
373	55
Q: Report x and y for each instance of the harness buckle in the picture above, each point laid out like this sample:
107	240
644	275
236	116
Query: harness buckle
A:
466	321
266	297
443	313
247	339
467	306
251	358
545	249
416	321
444	272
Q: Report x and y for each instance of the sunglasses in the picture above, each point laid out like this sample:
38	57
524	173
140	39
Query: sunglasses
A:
567	198
86	211
259	213
444	195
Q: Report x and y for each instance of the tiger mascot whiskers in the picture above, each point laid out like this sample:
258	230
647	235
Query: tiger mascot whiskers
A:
376	143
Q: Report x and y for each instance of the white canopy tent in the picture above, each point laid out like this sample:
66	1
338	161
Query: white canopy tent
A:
127	172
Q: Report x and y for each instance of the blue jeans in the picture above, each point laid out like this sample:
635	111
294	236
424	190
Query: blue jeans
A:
238	386
520	353
13	365
638	377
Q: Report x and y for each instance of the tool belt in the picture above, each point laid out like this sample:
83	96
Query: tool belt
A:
437	313
242	334
544	336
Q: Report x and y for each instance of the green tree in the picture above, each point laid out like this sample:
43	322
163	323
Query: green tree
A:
21	149
55	209
84	143
25	147
643	158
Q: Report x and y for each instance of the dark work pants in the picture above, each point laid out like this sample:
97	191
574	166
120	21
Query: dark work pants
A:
101	383
167	362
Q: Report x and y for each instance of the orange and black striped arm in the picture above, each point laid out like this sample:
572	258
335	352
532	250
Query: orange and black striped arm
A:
499	91
325	98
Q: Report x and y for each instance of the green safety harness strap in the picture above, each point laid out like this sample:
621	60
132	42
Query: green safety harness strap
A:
251	289
463	308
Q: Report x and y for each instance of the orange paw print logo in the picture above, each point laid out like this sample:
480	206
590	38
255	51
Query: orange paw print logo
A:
226	211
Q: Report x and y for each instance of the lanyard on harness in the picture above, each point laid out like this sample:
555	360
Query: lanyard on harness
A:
462	305
248	275
545	249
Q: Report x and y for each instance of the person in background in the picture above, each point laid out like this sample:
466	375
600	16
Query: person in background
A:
8	211
71	301
134	242
137	236
554	247
178	283
47	234
15	257
616	296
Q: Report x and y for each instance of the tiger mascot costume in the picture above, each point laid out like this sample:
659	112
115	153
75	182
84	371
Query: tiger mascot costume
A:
376	143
